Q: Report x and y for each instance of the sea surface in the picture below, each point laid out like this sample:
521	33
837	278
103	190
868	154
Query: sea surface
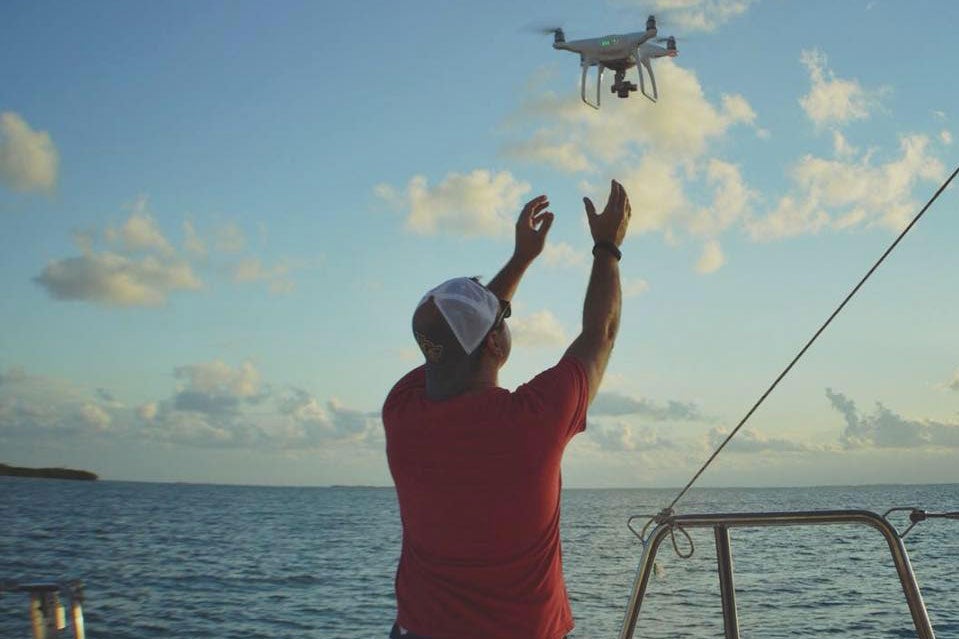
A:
179	560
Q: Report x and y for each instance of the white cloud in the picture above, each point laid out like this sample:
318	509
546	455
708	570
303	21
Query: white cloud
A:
732	200
736	109
538	329
148	412
34	406
711	259
561	254
479	203
84	240
945	136
833	100
116	280
749	441
217	377
885	429
312	423
28	158
633	286
250	270
657	161
230	238
214	405
617	404
303	407
192	242
253	270
14	375
95	417
841	146
108	399
220	406
695	15
140	232
843	194
953	384
656	195
794	215
619	437
543	149
141	267
679	127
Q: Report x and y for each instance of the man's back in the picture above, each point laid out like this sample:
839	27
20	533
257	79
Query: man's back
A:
478	482
476	468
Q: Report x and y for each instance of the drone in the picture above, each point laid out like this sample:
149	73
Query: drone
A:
619	53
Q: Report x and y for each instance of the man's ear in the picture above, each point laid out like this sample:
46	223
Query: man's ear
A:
494	343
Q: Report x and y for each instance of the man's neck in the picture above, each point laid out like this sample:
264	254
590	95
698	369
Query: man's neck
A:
444	387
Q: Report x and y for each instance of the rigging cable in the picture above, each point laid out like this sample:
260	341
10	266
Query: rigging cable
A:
669	509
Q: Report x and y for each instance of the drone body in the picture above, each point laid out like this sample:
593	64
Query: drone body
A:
619	53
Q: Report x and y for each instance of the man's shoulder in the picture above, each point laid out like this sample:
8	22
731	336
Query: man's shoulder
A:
563	383
412	381
565	375
559	396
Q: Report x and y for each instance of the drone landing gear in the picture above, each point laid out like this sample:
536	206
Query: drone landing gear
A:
621	86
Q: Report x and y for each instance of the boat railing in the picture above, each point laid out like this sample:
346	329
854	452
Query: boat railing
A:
668	525
48	617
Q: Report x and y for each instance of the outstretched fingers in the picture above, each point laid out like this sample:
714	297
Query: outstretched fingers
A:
618	197
533	207
543	221
590	209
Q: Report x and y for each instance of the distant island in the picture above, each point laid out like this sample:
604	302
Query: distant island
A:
47	473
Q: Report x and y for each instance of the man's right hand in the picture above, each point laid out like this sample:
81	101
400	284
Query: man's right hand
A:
611	225
603	303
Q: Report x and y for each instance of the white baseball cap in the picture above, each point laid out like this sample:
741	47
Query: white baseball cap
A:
468	307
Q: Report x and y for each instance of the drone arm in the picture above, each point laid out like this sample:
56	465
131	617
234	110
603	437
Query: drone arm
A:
646	37
652	78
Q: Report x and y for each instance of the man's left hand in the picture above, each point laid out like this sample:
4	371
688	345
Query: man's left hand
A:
531	229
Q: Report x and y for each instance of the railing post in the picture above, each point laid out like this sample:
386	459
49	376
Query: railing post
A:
727	589
643	571
38	620
76	610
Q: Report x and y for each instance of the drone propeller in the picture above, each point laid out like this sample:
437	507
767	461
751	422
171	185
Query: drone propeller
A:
670	42
548	29
544	28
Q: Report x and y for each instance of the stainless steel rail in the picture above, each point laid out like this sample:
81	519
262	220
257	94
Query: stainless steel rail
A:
721	523
47	614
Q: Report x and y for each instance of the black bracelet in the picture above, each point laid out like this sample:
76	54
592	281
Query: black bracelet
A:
609	247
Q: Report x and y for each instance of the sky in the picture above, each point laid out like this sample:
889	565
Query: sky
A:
217	218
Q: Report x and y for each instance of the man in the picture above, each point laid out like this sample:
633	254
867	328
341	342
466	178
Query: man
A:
476	467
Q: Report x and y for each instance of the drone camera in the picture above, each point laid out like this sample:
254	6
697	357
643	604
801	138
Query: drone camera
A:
621	86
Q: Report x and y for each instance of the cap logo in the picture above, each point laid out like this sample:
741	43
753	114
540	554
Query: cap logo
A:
431	350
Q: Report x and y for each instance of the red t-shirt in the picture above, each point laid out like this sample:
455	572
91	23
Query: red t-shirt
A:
478	482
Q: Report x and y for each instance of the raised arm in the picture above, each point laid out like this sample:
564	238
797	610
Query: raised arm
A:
601	309
531	228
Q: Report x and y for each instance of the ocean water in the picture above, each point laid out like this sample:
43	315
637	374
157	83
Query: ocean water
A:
174	560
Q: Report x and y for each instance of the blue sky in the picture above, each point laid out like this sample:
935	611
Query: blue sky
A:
216	219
